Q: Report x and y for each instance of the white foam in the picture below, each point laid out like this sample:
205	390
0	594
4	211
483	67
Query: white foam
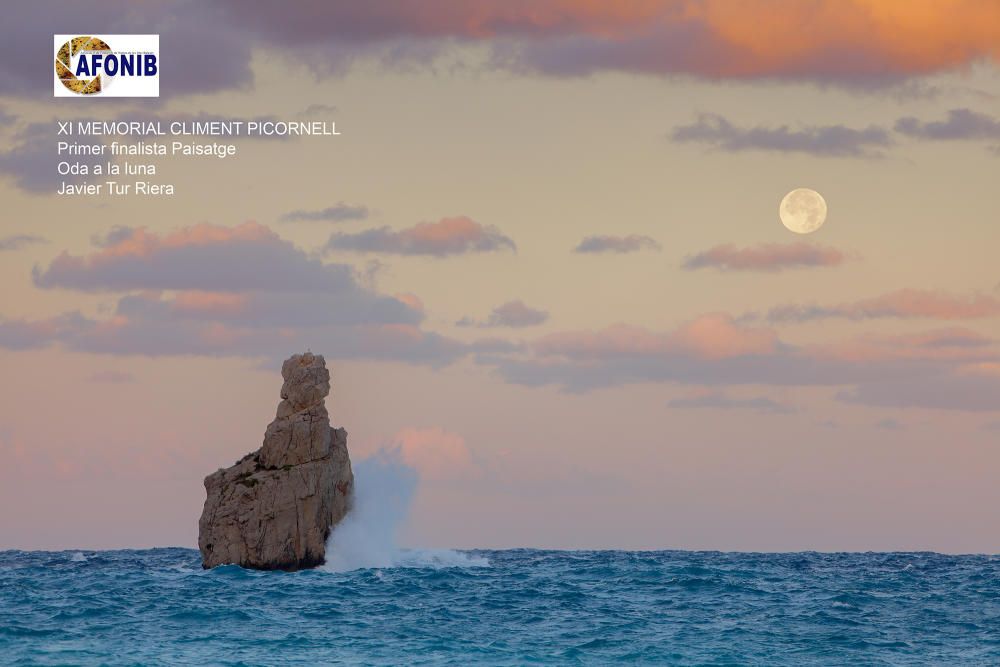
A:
438	558
78	557
367	538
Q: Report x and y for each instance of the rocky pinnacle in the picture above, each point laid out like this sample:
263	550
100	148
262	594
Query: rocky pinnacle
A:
276	506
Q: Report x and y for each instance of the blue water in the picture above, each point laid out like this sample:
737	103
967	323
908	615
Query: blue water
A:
504	607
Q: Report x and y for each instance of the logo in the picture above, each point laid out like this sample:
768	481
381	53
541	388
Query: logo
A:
107	65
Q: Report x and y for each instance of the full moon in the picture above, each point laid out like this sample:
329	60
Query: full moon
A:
802	211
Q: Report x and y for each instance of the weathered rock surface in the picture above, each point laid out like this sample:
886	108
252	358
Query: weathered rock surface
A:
276	506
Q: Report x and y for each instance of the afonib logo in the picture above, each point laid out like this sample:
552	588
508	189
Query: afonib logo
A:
107	65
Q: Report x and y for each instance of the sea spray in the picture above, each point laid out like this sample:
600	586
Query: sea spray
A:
368	537
383	490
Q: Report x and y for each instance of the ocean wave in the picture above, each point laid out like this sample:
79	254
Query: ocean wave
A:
441	606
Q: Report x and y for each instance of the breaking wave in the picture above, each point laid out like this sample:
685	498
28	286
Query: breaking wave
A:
368	537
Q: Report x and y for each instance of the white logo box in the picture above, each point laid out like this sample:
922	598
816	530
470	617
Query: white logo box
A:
124	49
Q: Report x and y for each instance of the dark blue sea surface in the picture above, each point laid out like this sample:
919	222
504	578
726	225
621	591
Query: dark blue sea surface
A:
504	608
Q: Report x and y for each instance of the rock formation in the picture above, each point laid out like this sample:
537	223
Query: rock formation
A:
276	506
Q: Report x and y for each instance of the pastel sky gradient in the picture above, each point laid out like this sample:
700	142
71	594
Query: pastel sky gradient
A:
543	261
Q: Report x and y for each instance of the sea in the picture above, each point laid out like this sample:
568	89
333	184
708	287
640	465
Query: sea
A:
510	607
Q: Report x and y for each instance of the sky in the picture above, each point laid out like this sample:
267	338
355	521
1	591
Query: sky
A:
543	261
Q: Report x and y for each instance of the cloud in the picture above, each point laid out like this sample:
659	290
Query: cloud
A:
34	334
823	141
227	292
414	302
717	350
719	401
861	44
767	257
961	124
714	336
941	345
513	314
436	454
115	235
901	304
149	334
448	236
918	90
18	241
991	426
339	212
794	367
203	257
265	309
616	244
889	425
487	348
857	43
970	393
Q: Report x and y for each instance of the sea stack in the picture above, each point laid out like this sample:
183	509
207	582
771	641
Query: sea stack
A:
274	508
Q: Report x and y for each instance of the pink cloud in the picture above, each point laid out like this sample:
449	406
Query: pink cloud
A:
718	351
989	368
853	42
197	301
414	302
436	454
859	43
27	334
256	325
767	257
141	242
902	304
712	336
717	336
